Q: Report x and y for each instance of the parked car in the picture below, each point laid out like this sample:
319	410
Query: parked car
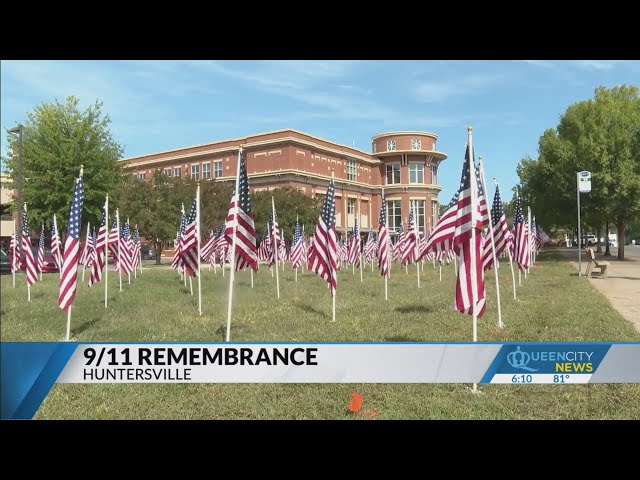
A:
5	264
49	261
148	253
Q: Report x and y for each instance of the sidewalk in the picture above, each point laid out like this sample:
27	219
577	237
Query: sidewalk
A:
622	287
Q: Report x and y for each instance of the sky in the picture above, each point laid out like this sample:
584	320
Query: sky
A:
159	105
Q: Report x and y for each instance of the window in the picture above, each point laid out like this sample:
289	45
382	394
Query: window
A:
416	172
418	205
393	173
434	145
351	206
177	172
141	175
206	171
434	174
168	172
435	213
374	147
416	144
195	171
217	168
351	170
391	145
394	215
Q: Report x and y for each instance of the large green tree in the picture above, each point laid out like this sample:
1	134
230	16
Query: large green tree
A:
290	203
57	139
155	206
601	135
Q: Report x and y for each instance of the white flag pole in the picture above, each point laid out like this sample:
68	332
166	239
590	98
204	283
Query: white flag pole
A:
69	310
297	225
440	268
119	249
199	249
131	258
15	251
233	245
508	250
59	256
86	244
473	250
359	227
25	258
333	294
493	242
276	245
106	250
386	277
529	246
42	230
415	249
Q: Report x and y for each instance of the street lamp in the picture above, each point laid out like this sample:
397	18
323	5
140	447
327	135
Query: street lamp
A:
19	130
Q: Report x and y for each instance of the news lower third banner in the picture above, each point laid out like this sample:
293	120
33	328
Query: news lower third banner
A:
29	370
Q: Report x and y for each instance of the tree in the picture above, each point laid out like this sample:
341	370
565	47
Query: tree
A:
57	139
289	203
155	206
602	136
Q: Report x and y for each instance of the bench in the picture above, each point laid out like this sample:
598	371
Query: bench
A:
593	263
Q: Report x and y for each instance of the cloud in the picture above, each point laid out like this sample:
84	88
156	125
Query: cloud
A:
541	63
439	91
596	64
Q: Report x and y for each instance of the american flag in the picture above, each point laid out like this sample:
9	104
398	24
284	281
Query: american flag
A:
482	199
85	249
323	258
409	243
542	236
136	247
127	249
29	261
282	248
264	250
41	250
101	240
441	239
208	248
220	244
114	241
397	247
369	250
189	249
56	250
501	233
13	248
177	255
297	247
383	239
353	253
470	279
241	224
520	240
71	249
98	254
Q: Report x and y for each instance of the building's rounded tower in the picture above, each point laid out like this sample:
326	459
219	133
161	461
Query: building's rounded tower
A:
409	171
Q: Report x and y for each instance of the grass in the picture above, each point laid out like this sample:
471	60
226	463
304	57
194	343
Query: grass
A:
553	305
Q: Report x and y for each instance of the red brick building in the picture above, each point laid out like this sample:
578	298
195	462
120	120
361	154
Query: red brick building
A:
405	164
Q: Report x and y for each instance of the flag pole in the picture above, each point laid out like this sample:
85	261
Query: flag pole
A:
529	253
119	249
493	242
513	275
233	246
15	251
69	309
25	259
129	273
59	259
42	230
415	249
298	226
106	250
276	245
359	227
199	249
333	294
86	243
473	250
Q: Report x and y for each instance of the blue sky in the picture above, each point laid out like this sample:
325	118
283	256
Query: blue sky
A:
159	105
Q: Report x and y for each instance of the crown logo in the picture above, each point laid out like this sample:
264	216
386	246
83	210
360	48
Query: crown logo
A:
520	359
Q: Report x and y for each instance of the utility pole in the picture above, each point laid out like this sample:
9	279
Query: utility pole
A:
19	130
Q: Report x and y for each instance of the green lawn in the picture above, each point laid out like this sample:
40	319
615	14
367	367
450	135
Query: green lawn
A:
553	305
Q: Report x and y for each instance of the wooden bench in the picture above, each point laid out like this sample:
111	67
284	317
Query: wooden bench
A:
593	263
